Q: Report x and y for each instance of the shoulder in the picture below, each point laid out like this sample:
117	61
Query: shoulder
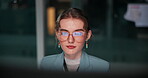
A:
48	61
50	57
98	60
99	63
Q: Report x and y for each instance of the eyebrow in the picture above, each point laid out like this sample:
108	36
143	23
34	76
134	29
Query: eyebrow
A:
63	30
79	30
74	30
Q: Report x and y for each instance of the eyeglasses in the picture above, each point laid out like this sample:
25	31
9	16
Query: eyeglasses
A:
77	35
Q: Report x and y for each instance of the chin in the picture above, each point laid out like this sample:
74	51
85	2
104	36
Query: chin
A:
69	52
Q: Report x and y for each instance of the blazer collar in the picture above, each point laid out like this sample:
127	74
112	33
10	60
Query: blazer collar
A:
59	62
84	62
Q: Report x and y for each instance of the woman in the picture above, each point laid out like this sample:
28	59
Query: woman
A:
73	32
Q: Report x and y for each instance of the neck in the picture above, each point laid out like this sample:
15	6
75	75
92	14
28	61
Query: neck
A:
73	56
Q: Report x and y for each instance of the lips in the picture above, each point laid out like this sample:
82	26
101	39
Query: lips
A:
71	46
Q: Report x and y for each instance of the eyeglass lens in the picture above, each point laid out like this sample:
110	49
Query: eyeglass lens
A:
78	35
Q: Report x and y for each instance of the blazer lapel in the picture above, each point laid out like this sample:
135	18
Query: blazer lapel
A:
84	63
59	62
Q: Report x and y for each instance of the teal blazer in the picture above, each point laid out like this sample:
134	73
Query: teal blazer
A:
88	63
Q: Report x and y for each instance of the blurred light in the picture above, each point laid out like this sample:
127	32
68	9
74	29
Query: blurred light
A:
51	20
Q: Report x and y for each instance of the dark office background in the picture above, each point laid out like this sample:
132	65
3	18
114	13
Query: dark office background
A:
114	39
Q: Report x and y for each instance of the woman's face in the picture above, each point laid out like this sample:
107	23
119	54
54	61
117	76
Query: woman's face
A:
72	36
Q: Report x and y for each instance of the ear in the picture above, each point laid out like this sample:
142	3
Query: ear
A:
89	34
57	35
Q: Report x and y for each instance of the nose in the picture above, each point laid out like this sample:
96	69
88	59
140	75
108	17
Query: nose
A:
71	39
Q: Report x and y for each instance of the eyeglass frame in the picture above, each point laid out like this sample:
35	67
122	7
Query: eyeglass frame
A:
59	32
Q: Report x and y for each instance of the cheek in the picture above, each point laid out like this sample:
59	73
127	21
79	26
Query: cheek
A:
80	45
63	46
62	43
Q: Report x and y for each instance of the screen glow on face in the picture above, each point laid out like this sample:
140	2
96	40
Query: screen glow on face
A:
74	33
78	35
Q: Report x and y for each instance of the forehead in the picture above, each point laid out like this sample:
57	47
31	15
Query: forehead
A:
71	24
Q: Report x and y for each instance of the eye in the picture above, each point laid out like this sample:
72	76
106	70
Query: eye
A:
77	34
64	33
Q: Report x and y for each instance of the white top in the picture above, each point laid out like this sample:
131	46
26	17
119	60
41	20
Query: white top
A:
72	65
